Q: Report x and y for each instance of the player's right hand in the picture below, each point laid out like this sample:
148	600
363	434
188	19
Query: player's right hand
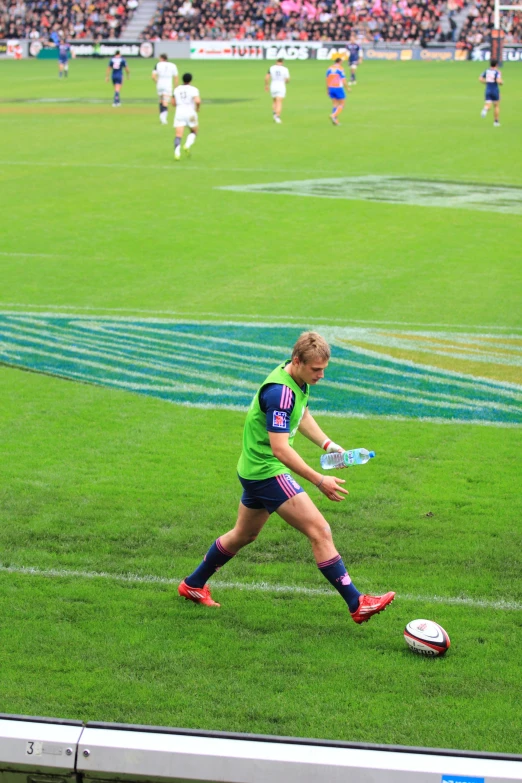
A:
331	487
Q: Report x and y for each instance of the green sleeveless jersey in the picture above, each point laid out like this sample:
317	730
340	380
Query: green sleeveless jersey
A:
257	461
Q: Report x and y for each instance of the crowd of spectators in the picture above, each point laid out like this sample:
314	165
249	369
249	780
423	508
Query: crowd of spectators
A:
68	19
407	21
374	21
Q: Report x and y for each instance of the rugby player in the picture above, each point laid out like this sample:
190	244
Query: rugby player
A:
278	76
187	101
64	52
115	69
335	84
278	410
354	57
492	78
165	75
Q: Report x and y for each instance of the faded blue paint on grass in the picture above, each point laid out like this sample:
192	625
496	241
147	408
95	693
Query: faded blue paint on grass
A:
221	365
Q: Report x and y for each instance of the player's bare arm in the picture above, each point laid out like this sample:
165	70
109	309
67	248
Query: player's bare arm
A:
311	430
176	80
154	76
329	485
267	81
107	73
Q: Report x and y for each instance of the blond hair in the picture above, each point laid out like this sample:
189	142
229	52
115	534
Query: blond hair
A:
309	346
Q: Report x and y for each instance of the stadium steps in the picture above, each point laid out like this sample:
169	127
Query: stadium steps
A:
459	19
139	20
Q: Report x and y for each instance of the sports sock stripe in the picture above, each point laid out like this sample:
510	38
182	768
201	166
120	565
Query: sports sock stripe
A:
329	562
222	548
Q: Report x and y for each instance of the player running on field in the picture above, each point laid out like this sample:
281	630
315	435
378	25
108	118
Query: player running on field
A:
64	53
115	69
492	78
354	57
165	75
335	84
187	101
278	410
278	76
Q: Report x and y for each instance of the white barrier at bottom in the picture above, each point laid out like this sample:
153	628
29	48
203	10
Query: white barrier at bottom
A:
36	750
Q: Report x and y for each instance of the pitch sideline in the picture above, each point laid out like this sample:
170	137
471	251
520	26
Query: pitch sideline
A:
260	587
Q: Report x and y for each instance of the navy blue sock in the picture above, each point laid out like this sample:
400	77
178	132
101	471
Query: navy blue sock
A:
216	557
335	571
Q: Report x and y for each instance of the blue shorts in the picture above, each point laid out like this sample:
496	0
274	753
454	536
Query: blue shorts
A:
354	62
336	93
63	60
492	94
117	79
269	493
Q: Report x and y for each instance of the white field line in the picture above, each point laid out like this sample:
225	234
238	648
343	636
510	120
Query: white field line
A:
255	587
266	319
172	167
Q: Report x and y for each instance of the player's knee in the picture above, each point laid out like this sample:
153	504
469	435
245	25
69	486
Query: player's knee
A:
320	533
244	537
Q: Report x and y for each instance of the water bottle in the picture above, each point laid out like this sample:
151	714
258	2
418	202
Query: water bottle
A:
343	459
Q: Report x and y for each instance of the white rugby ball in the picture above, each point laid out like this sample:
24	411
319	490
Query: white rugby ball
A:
426	637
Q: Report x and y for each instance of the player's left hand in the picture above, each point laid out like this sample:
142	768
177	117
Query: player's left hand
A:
331	486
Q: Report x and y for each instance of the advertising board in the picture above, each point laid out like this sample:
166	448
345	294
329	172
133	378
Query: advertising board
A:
90	49
312	50
511	53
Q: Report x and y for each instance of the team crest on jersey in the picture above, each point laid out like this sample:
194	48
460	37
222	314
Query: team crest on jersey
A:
280	419
462	375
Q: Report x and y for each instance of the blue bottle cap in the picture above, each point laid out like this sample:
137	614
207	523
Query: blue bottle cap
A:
372	454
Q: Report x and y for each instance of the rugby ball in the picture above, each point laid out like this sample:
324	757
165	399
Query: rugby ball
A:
426	637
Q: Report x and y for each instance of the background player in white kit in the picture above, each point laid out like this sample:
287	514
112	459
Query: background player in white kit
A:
278	76
165	75
187	102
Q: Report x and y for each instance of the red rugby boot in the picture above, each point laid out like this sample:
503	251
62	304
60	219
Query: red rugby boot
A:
200	595
370	605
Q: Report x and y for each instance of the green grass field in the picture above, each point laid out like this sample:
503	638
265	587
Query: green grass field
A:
147	305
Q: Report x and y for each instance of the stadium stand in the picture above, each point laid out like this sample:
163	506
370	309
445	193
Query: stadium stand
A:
404	21
39	19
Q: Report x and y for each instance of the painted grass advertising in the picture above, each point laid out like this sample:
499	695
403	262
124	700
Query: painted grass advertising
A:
220	365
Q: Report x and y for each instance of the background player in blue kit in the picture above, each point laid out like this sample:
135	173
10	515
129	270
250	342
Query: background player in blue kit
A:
354	56
64	53
335	83
116	65
492	78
